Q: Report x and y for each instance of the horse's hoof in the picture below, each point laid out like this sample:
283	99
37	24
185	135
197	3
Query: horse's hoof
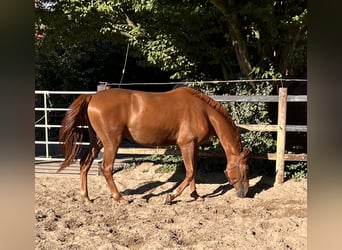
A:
87	200
122	201
168	199
196	197
200	198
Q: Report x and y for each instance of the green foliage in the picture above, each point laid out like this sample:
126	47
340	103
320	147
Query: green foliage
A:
167	168
244	113
296	170
169	162
188	39
64	68
253	113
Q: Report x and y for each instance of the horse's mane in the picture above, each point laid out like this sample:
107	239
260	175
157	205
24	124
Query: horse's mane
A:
212	103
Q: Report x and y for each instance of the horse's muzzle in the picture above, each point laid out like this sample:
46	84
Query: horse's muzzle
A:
242	192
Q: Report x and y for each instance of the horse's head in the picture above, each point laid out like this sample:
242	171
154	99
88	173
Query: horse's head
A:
238	173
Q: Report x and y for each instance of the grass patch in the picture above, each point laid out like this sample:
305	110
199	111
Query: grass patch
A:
171	163
296	170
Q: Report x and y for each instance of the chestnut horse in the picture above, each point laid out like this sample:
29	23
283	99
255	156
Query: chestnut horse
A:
183	117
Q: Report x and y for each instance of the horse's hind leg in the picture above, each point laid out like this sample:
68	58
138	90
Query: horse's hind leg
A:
107	170
85	163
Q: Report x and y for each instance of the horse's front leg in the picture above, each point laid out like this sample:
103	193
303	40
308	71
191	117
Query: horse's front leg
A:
193	192
189	154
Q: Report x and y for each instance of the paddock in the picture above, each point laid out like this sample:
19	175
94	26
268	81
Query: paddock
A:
270	217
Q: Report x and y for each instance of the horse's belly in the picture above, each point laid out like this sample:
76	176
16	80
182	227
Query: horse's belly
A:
152	136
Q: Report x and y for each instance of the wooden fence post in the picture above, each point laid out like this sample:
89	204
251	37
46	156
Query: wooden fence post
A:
281	135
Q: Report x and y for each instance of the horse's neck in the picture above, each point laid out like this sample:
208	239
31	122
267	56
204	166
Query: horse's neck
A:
228	134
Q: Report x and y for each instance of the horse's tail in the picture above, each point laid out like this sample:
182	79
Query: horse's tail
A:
70	133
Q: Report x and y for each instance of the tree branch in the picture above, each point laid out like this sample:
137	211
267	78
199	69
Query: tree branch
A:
293	36
239	43
129	22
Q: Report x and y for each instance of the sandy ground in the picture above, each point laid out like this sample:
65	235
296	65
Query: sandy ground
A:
271	217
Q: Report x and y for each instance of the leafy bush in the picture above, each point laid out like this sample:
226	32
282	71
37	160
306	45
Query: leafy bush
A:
244	113
169	162
296	170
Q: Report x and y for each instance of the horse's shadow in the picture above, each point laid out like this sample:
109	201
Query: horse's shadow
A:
265	182
215	177
147	189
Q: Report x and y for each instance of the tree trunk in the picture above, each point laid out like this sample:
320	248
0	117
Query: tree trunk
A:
238	42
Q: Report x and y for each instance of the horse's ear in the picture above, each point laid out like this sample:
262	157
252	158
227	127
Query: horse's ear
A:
246	151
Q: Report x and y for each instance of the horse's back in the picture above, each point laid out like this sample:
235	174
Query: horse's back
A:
105	98
153	118
176	105
117	98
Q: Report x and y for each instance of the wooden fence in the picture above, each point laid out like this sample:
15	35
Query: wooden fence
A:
280	128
